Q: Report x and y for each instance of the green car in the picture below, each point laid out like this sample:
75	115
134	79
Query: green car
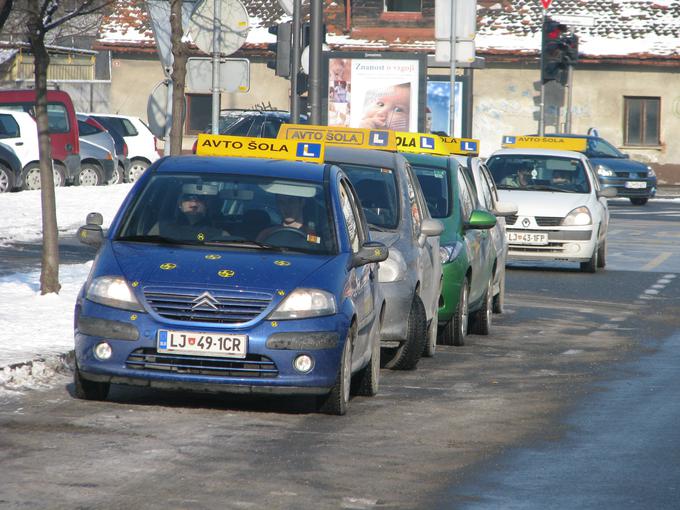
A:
466	249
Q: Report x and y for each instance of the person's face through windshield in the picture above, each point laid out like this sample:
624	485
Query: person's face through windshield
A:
524	175
193	206
291	210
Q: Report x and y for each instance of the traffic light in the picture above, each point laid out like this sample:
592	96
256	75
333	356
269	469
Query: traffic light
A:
553	49
571	50
281	49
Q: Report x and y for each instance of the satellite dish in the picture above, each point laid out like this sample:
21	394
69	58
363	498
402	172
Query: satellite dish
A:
234	25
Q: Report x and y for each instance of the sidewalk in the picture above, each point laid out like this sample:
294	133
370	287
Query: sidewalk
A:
665	191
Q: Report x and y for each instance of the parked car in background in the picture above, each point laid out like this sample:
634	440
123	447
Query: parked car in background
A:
631	179
96	166
257	123
141	143
62	125
94	132
487	199
465	248
10	168
19	132
397	216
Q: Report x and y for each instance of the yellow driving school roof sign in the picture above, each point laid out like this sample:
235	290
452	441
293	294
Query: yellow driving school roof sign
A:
461	146
421	143
356	138
268	148
560	143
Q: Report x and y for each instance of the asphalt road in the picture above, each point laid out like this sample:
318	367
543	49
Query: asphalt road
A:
569	403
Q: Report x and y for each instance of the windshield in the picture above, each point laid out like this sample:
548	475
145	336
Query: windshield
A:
377	191
435	185
539	173
231	210
598	148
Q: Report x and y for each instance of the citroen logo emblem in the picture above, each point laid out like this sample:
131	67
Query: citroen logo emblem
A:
205	300
526	222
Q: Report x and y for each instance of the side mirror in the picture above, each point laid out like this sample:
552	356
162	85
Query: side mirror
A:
607	193
91	233
480	220
431	227
626	156
371	251
505	209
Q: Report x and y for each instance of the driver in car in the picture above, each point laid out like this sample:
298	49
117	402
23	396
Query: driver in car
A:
292	217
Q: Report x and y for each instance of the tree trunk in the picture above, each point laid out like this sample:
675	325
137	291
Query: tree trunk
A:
49	275
179	71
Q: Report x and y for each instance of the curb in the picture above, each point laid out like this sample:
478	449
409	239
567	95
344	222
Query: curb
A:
29	374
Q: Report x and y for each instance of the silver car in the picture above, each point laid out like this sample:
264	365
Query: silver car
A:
96	164
398	217
487	198
91	131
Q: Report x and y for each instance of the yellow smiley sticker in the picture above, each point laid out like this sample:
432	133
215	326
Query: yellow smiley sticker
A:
282	263
168	266
133	317
135	284
281	292
274	324
212	256
200	236
377	252
226	273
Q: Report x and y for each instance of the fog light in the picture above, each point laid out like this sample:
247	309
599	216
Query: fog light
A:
303	363
573	248
102	351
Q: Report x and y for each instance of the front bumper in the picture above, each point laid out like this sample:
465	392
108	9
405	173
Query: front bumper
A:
267	368
568	244
630	185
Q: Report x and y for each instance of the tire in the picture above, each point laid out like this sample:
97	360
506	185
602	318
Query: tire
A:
89	390
90	175
6	179
117	176
137	168
499	299
30	176
456	329
367	380
431	344
602	255
337	401
482	318
408	354
638	201
591	265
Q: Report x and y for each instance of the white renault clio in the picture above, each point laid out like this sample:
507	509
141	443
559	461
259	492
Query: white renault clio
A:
562	211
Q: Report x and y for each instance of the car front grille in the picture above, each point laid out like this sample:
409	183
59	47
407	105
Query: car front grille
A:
229	306
631	175
511	220
548	221
253	366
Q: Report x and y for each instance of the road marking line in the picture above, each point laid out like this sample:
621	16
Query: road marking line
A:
657	261
658	286
670	276
651	291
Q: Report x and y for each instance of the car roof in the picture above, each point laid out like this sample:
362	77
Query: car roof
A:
246	166
538	152
372	157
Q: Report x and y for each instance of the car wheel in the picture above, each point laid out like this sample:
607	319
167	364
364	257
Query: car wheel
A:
6	179
591	265
431	344
90	175
30	176
89	390
481	319
499	299
117	176
602	254
367	380
455	331
408	354
337	401
137	168
638	201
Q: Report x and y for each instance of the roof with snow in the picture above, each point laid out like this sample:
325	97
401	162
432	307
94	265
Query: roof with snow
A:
638	29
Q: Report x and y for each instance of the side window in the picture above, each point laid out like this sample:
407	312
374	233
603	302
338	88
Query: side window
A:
486	194
271	128
57	118
414	203
130	129
255	127
8	127
350	215
466	202
486	175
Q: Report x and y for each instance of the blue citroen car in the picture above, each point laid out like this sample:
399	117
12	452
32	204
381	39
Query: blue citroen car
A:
226	274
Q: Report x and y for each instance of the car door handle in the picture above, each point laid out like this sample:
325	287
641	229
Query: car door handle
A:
19	143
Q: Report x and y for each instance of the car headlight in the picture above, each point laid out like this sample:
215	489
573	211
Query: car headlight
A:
604	171
651	172
113	291
449	252
393	268
304	303
578	217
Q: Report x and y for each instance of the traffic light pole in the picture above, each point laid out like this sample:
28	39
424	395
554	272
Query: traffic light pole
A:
316	39
295	63
452	94
567	114
215	127
541	107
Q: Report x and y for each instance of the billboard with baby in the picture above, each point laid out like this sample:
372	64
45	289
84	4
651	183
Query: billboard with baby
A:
375	90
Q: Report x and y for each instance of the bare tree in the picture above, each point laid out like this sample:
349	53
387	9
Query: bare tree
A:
41	17
180	51
5	8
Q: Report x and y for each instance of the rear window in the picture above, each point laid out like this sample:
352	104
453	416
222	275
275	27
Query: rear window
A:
435	185
8	127
86	129
57	116
123	126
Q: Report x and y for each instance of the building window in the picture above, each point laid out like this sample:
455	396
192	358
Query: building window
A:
642	121
199	113
403	6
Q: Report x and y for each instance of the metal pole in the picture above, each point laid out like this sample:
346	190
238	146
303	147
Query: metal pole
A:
567	115
295	63
452	63
541	111
216	68
168	117
315	61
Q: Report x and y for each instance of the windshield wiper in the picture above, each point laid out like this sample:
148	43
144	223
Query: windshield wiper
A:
156	239
246	243
545	187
